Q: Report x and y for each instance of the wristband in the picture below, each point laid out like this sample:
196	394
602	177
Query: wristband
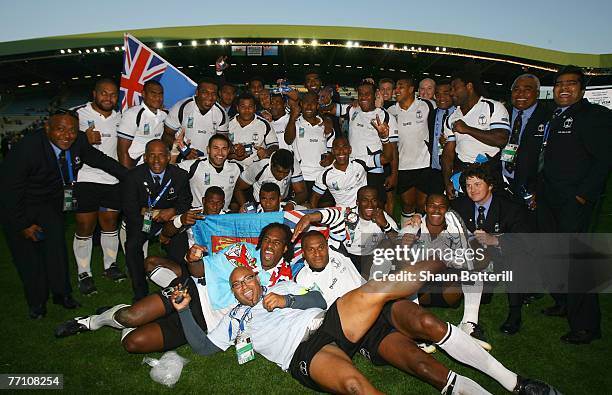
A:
177	222
387	228
185	150
289	300
385	140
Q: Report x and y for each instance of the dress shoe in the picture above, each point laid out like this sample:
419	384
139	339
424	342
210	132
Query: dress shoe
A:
580	337
555	311
510	326
38	312
66	301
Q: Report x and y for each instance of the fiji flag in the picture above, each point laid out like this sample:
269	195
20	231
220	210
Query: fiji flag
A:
231	240
141	64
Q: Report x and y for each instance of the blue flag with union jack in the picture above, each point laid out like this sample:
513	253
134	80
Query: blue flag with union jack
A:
141	64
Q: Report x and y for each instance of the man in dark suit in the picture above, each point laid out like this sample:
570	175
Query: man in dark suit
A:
37	177
492	219
574	164
528	119
152	194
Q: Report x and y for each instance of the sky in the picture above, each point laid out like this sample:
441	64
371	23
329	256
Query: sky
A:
571	26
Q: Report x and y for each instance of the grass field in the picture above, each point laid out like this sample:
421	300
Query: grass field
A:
96	362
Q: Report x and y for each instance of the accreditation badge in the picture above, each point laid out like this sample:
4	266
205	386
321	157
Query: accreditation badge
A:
69	200
147	221
509	152
244	349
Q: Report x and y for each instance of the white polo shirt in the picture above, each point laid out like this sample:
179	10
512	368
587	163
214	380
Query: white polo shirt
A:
413	135
487	114
279	127
362	136
258	133
141	125
108	131
343	185
309	144
365	235
337	278
260	173
203	175
199	127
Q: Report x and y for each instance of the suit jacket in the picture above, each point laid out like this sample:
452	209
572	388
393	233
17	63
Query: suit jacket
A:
30	176
134	194
504	216
578	152
526	160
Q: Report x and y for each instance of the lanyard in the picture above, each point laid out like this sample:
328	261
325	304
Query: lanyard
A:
244	318
154	202
68	159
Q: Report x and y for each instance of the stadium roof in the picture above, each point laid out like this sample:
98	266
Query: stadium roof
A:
404	37
342	55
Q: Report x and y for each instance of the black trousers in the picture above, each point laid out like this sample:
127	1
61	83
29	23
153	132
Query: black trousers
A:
134	256
42	265
558	211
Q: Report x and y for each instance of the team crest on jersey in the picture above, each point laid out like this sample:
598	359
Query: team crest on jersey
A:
255	137
146	129
353	116
231	179
189	122
482	120
568	123
206	178
335	186
419	114
90	124
239	255
301	132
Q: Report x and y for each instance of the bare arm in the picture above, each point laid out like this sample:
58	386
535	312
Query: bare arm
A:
123	145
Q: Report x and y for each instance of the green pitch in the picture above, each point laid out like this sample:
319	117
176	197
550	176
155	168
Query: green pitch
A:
96	363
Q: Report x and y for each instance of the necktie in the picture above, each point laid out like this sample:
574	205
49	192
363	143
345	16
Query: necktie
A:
63	164
557	112
157	182
480	220
514	137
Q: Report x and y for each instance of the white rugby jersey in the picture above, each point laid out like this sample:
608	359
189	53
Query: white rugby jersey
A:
337	278
343	185
487	114
258	133
260	173
279	127
365	235
141	125
413	135
309	144
108	131
203	175
362	136
199	127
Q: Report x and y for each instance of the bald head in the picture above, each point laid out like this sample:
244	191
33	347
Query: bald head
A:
245	285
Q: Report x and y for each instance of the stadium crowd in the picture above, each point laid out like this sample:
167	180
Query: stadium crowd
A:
467	172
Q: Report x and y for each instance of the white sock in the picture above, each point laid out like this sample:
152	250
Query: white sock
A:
106	319
82	246
122	236
461	385
471	301
110	244
463	348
